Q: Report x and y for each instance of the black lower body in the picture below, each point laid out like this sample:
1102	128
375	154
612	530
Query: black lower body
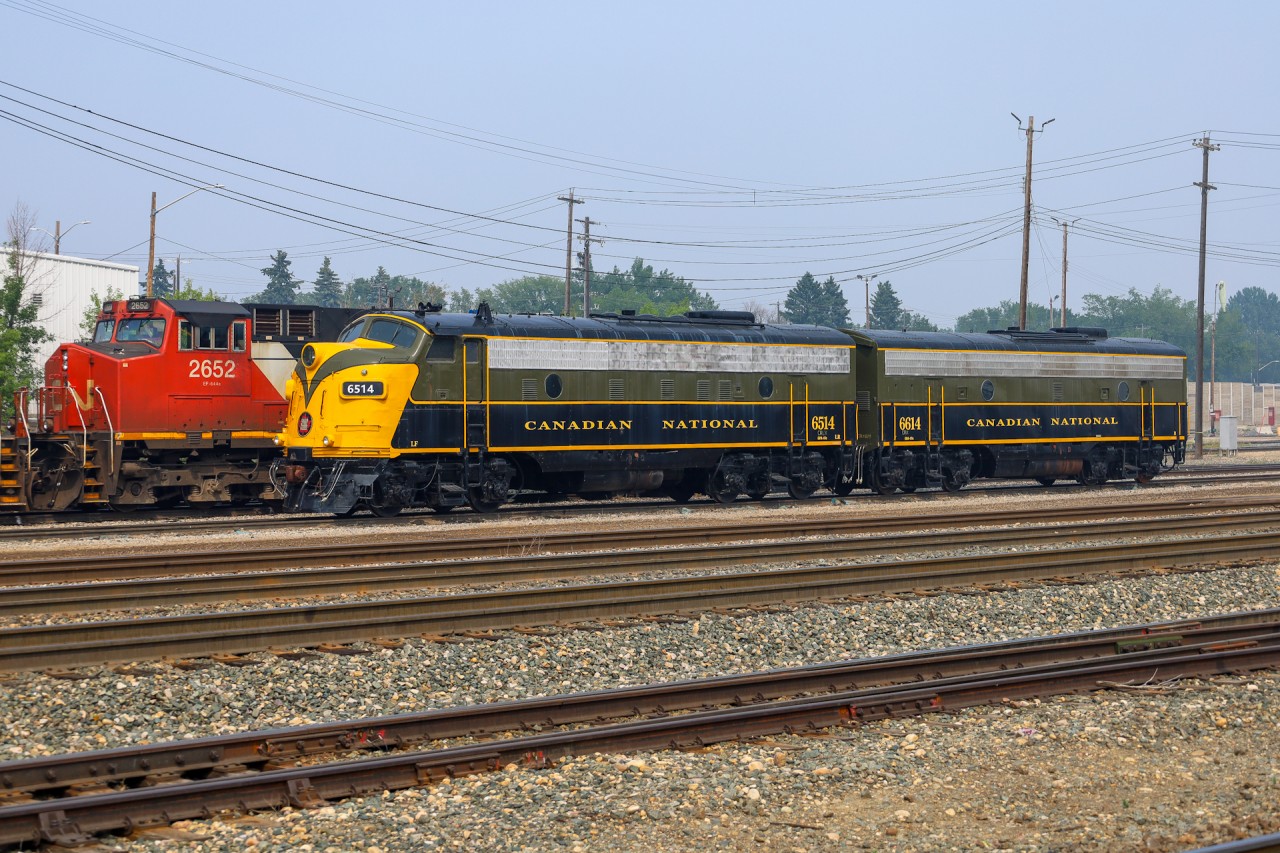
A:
890	468
485	481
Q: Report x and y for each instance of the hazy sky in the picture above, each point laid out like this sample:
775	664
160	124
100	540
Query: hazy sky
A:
736	144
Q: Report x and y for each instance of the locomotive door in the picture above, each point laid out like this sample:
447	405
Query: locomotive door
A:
799	410
1146	412
934	428
475	393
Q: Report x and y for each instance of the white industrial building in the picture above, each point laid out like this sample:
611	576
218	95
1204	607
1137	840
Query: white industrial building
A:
63	287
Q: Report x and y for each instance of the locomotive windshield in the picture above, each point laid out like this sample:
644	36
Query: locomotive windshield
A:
102	332
384	330
149	330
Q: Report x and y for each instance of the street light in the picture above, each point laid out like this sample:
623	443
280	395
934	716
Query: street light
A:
866	280
1256	384
58	233
151	253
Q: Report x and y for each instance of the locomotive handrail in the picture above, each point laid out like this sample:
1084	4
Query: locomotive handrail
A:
84	433
21	406
111	432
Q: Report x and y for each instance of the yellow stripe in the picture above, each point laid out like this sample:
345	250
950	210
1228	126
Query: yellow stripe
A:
172	436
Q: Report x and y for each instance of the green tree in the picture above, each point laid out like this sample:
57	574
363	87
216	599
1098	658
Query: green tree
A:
20	330
462	300
282	287
328	289
161	280
531	294
190	291
804	302
89	321
886	307
638	289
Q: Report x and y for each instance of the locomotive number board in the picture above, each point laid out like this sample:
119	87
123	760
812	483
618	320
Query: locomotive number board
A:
363	389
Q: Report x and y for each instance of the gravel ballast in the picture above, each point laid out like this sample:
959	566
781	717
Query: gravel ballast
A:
1164	767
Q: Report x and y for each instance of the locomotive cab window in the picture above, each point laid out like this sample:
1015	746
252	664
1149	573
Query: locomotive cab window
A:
193	337
102	331
352	332
442	349
388	331
239	335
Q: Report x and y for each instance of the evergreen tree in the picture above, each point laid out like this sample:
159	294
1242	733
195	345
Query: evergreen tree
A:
638	289
328	290
837	307
804	301
282	287
886	307
161	280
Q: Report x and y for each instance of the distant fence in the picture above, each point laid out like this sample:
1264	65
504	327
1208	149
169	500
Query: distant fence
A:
1244	401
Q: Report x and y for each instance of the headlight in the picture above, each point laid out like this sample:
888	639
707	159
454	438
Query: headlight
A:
304	423
308	355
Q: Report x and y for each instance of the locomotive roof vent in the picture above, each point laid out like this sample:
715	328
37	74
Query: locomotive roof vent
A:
744	317
1092	331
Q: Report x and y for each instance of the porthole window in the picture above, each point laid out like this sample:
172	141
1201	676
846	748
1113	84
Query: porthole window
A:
766	387
1122	391
988	390
554	386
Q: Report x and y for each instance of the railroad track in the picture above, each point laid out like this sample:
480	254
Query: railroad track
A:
69	798
69	525
237	632
433	546
546	560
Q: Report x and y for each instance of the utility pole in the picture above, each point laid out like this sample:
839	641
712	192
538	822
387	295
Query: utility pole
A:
1204	185
151	253
866	281
1026	216
568	253
177	275
587	240
57	236
1064	224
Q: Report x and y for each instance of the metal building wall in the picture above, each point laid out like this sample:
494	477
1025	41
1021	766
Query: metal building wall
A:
64	285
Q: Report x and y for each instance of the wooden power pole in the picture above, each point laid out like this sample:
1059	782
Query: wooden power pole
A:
587	240
568	254
1026	216
1204	185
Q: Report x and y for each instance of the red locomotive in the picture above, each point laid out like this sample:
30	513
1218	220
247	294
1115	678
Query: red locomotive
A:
172	400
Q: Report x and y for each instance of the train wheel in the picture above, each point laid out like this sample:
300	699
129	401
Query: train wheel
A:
384	510
475	497
950	483
1046	481
798	492
758	487
720	491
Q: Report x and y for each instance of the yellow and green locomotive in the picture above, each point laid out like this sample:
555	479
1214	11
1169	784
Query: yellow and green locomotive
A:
422	408
940	409
430	409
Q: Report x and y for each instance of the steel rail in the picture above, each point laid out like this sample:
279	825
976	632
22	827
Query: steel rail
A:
105	642
29	526
193	757
17	571
68	820
295	583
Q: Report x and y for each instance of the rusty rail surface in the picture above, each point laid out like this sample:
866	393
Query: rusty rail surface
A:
193	758
433	546
73	819
132	594
232	632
